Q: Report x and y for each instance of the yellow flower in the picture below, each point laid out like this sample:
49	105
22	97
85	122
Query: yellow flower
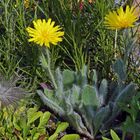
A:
121	19
45	33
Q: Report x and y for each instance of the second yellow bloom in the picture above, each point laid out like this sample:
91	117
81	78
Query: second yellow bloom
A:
121	19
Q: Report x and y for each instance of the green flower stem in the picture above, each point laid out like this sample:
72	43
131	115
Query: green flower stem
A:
115	45
47	65
49	68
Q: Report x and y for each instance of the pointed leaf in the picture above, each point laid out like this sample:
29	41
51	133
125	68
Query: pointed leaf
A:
44	119
83	77
103	91
71	137
53	137
76	121
36	136
114	135
60	89
126	94
103	138
119	68
15	123
61	127
102	114
95	77
23	125
33	115
50	103
31	111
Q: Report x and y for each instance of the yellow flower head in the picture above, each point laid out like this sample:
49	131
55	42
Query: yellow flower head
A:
121	19
45	33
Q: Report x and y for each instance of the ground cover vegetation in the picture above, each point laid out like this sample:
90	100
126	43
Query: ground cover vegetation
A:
69	70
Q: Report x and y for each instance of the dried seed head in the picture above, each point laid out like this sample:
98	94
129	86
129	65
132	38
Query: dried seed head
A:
9	93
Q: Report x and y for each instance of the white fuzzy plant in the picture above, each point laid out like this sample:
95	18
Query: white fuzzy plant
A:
9	93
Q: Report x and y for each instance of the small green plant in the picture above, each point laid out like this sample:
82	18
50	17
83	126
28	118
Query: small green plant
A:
30	124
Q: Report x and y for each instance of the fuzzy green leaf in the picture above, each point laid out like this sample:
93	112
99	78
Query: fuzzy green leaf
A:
124	97
103	91
100	116
89	96
75	95
119	68
95	78
68	77
50	103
